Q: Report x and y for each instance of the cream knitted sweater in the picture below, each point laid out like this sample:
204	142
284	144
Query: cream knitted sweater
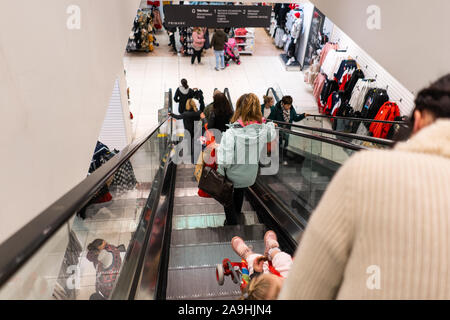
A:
382	228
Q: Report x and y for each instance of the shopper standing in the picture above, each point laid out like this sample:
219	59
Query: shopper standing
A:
198	37
182	94
189	117
239	151
220	114
381	230
218	44
284	111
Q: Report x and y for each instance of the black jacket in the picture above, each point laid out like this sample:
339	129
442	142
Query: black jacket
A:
181	96
189	118
277	114
218	40
219	122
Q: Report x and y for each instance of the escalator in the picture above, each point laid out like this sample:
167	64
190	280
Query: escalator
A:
165	240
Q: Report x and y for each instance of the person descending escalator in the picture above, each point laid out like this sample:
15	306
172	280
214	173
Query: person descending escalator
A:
239	151
182	94
217	122
284	111
189	117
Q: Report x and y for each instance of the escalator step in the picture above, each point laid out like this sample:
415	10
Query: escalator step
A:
217	235
194	199
199	283
190	209
207	255
208	220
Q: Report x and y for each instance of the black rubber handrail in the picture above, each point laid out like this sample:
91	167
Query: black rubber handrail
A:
23	244
328	140
226	92
379	141
274	93
356	119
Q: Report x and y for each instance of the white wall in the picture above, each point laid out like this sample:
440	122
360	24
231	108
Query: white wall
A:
55	85
412	43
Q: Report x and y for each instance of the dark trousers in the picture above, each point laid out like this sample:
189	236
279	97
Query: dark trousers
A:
234	211
197	54
283	144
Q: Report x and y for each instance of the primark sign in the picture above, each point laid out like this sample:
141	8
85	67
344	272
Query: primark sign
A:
217	16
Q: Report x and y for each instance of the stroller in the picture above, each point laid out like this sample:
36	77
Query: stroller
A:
231	52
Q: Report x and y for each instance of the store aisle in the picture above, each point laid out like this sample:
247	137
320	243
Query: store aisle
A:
150	75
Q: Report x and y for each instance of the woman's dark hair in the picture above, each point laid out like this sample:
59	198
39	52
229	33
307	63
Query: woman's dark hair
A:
435	99
287	100
95	244
184	83
221	105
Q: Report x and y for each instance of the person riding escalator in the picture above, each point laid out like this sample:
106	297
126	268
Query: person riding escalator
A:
284	111
189	117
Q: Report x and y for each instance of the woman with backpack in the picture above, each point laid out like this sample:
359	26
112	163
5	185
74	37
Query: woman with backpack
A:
239	151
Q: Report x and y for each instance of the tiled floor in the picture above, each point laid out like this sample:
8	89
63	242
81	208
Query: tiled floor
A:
150	75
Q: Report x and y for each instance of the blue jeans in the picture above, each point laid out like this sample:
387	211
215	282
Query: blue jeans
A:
220	60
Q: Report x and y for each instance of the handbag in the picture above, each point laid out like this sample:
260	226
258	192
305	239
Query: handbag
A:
199	167
217	186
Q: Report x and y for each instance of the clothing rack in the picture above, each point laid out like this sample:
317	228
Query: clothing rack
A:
373	70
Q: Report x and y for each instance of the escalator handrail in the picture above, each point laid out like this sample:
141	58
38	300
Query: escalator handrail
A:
356	119
332	141
24	243
226	92
275	95
384	142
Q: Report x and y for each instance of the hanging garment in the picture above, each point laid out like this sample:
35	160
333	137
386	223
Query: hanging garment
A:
326	49
375	98
346	66
279	34
350	85
332	63
318	85
333	103
124	179
388	112
328	89
359	93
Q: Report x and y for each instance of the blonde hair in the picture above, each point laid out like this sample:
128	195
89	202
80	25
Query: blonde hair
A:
267	99
248	108
258	288
191	105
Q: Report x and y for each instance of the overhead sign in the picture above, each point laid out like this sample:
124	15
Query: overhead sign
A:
219	16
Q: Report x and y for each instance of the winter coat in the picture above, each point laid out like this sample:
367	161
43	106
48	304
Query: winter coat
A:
181	96
238	144
198	40
277	114
189	117
218	40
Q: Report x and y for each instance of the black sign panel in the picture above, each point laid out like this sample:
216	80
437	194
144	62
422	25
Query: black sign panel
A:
217	16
